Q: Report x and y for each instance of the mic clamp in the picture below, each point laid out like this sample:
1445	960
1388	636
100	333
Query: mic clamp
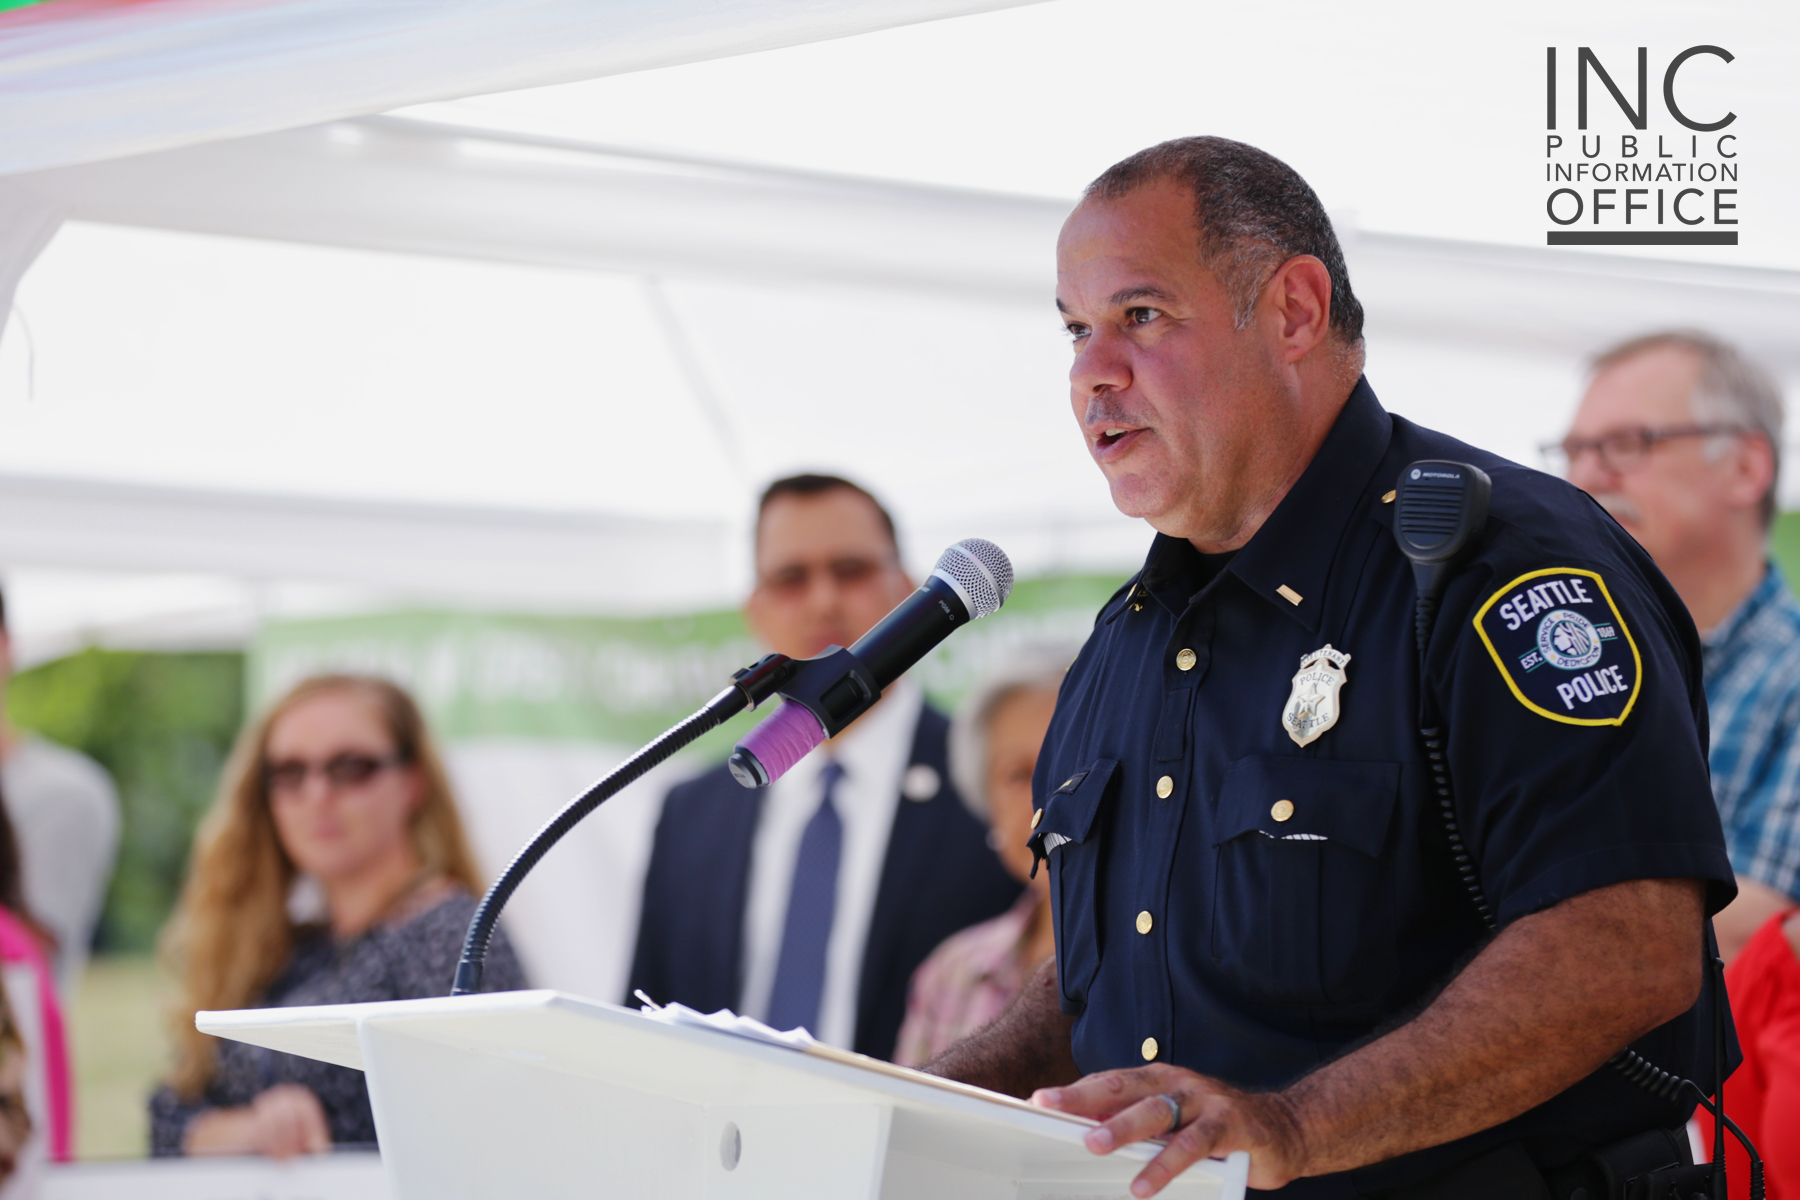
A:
820	697
765	677
835	686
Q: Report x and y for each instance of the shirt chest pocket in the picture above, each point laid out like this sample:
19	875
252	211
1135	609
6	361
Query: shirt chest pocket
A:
1066	835
1303	911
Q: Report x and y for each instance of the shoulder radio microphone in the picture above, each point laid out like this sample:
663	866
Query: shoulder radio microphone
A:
1441	509
822	695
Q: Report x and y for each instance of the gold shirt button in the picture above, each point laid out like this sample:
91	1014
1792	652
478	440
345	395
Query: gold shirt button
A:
1145	921
1283	810
1149	1049
1186	660
1036	817
1164	786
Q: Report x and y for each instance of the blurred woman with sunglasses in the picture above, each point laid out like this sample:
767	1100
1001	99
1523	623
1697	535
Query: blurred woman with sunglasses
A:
335	801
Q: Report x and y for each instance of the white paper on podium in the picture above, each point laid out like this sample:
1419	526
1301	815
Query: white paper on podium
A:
726	1021
546	1094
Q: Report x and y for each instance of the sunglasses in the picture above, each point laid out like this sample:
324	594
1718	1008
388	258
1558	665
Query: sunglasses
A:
287	776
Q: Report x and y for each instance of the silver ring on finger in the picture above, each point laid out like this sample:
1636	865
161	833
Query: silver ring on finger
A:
1174	1111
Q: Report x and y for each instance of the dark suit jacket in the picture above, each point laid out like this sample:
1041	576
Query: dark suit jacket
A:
938	877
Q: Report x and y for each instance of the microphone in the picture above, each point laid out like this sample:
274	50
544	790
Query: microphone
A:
971	580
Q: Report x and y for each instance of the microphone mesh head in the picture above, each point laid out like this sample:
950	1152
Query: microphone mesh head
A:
982	571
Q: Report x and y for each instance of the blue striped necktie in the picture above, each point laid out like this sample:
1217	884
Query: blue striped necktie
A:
812	902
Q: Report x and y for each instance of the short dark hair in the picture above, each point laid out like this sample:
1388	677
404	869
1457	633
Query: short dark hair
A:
1253	213
809	485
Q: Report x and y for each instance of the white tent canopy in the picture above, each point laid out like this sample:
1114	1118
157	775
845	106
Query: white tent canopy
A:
410	186
378	325
932	368
82	80
384	183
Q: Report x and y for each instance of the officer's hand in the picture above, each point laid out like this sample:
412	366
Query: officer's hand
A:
1215	1120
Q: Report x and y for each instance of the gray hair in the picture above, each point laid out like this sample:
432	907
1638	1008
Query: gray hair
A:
1029	669
1732	390
1253	212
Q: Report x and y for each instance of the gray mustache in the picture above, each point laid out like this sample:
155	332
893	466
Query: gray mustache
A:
1622	508
1105	410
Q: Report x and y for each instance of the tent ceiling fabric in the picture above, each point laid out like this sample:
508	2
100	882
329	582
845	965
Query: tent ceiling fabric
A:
517	560
1541	300
83	80
928	364
27	223
386	183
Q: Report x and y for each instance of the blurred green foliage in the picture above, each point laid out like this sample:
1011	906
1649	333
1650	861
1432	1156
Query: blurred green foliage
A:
1784	545
162	724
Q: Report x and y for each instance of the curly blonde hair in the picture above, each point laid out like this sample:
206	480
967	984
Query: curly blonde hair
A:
231	933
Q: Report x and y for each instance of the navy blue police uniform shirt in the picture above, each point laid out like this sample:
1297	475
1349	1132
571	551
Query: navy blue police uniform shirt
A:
1233	902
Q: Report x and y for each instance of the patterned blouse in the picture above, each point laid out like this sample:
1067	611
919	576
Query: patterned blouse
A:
404	961
967	982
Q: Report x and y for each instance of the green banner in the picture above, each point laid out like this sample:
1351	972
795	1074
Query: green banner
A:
612	680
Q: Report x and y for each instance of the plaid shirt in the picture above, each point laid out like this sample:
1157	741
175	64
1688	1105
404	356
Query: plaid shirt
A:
1753	706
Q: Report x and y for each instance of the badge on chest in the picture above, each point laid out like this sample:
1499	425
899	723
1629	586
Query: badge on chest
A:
1314	704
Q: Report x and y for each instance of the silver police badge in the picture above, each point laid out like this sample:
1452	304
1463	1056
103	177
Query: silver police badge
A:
1312	706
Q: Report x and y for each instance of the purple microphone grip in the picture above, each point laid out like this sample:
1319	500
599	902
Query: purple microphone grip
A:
767	752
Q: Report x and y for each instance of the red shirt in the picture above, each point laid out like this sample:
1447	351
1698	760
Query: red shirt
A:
1763	1096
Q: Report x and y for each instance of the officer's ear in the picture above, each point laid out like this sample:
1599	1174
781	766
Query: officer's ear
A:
1300	295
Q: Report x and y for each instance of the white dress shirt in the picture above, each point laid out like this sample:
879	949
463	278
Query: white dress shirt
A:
875	753
65	812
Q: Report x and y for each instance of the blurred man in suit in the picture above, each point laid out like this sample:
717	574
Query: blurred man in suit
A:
811	902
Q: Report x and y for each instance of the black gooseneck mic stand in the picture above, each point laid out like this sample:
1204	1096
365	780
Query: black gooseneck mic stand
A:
749	687
971	580
1440	510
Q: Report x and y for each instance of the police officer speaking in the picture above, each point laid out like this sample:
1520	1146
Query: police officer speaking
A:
1269	936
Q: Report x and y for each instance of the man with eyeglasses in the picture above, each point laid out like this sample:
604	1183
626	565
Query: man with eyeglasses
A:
1679	437
810	903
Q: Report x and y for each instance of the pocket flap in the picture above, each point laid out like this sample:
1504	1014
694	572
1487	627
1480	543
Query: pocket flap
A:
1351	803
1069	812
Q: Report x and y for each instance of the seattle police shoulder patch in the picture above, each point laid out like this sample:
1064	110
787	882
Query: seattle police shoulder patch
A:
1562	646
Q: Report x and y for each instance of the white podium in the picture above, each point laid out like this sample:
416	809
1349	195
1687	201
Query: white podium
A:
544	1095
